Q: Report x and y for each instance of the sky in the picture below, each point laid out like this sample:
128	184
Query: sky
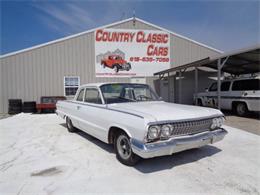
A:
224	25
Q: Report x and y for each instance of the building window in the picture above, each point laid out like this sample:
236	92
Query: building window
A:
71	84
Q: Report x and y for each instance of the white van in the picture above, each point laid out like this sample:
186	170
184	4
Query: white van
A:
240	94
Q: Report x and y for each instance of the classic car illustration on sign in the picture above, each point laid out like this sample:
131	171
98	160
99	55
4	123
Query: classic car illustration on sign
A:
137	122
148	51
116	62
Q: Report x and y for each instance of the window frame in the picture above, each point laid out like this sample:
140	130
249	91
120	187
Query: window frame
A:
244	80
78	92
64	86
215	83
151	90
228	87
100	94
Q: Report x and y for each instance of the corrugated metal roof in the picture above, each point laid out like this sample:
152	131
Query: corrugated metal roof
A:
242	61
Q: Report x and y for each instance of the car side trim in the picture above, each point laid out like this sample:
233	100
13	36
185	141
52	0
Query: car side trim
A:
86	104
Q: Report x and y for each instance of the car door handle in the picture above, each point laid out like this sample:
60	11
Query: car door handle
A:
78	107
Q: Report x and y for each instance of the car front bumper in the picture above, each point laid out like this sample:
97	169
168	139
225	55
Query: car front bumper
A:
176	144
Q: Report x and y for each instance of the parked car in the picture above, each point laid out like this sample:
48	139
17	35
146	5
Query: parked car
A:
239	94
116	62
48	103
138	123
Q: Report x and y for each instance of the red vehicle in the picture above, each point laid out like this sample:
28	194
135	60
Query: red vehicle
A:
116	62
48	103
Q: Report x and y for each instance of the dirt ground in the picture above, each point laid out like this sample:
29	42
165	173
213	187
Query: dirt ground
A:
250	123
39	156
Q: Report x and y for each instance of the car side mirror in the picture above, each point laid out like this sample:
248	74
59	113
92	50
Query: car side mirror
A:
207	89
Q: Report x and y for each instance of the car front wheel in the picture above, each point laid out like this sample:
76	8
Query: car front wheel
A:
124	151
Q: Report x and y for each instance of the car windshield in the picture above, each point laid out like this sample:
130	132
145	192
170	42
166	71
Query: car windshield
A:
127	92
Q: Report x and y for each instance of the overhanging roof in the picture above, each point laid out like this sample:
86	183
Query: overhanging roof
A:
243	61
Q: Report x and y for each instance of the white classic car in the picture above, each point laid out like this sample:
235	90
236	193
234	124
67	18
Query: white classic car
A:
134	119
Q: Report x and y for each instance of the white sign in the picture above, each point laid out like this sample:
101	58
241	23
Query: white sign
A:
131	53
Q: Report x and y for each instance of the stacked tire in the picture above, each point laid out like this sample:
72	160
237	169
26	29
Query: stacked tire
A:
29	107
14	106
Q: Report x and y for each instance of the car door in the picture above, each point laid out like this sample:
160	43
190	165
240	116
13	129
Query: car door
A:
74	108
247	90
226	101
211	98
91	113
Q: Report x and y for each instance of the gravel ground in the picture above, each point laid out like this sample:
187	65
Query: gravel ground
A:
39	156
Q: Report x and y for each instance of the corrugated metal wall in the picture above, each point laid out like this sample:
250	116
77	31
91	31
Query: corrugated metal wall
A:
38	72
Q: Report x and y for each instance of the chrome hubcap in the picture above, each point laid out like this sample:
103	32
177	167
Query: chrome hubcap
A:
68	123
123	147
241	108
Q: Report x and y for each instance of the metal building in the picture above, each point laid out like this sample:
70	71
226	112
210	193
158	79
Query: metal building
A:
58	67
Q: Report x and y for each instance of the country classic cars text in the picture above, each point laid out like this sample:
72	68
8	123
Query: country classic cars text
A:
137	37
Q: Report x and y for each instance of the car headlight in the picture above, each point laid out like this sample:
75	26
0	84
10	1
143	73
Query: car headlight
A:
217	122
221	121
153	132
166	131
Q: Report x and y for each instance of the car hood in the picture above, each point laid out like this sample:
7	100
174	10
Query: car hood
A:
161	111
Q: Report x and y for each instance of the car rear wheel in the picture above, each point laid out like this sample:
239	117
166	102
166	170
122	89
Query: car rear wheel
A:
124	151
241	109
128	66
70	126
199	103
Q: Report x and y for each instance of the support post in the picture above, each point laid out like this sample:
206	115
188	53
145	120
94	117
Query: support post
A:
196	85
180	90
168	78
219	82
220	66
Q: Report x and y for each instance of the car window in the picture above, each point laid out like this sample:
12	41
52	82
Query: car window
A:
80	96
92	96
225	86
127	92
213	87
246	85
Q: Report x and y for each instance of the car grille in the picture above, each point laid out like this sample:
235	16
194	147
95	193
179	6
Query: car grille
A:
191	127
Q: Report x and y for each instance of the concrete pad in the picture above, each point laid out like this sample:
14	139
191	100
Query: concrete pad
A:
39	156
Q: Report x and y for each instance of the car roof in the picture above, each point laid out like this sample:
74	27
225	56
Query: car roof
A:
238	79
100	84
241	78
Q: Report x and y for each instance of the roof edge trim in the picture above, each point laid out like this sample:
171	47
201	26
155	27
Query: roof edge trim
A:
180	36
63	38
105	26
